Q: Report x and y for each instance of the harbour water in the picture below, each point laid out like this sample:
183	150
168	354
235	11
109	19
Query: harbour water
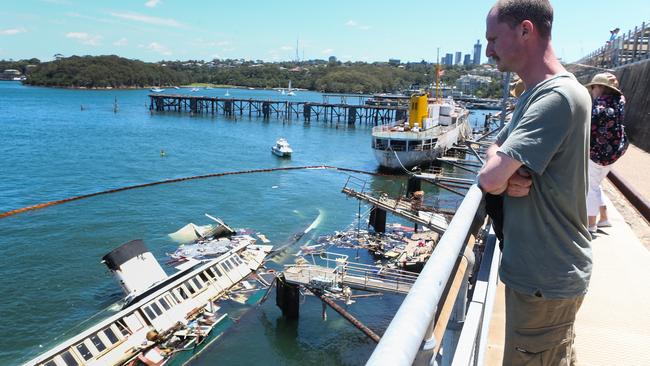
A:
58	143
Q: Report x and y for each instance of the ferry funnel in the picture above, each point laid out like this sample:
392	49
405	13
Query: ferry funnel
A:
134	267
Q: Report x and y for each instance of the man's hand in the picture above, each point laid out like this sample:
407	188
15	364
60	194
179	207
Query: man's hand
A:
519	183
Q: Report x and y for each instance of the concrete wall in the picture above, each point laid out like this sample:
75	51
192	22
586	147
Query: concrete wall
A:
635	85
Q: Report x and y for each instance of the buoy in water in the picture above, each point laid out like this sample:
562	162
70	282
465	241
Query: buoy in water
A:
163	153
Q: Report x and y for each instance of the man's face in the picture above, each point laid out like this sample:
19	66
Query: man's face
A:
503	43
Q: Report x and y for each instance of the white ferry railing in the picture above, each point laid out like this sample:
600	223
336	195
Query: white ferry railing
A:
405	336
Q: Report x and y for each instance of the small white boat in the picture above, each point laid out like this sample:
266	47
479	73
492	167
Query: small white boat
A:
290	91
227	93
282	148
194	89
157	90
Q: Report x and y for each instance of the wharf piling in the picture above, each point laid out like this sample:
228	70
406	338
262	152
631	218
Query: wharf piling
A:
287	298
286	110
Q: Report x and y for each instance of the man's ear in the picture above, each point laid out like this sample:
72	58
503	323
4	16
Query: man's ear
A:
526	27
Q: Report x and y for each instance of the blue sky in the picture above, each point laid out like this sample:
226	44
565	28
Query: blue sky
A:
362	30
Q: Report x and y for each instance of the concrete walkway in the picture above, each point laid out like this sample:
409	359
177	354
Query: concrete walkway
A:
613	324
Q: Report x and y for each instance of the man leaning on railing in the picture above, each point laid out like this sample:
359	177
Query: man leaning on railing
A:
539	165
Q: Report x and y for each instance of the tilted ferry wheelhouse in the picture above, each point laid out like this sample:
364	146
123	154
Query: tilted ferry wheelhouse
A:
433	126
155	302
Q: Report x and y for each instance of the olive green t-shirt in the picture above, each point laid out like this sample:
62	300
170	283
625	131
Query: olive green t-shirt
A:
546	241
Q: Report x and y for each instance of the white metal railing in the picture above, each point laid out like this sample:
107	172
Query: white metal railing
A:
405	336
471	346
630	47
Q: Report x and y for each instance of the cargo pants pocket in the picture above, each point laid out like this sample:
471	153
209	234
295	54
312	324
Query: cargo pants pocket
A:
544	346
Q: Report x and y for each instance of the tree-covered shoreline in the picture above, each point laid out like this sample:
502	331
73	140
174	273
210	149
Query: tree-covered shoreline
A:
114	72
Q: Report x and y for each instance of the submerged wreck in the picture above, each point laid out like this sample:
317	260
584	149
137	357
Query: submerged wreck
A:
163	316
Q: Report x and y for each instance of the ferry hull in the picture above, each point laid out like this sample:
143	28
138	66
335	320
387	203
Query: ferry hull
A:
394	160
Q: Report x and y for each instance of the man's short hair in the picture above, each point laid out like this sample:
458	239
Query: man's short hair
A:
539	12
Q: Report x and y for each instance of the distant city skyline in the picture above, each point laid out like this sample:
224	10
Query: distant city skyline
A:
155	30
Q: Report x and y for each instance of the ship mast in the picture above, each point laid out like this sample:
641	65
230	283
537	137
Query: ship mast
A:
438	76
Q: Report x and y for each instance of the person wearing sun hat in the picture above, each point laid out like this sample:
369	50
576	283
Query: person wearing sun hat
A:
608	141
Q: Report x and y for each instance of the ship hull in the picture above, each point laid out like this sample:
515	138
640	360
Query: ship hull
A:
400	150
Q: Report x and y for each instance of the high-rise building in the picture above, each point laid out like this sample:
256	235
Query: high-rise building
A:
477	52
449	59
467	60
457	60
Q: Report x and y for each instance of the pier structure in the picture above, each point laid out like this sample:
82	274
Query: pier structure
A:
282	109
627	48
335	271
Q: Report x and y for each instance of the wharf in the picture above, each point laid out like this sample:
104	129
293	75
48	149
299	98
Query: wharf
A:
354	275
308	111
613	324
408	209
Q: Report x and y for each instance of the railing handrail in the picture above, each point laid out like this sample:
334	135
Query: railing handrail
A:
400	343
612	53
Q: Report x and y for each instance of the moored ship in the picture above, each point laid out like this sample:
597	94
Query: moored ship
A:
431	129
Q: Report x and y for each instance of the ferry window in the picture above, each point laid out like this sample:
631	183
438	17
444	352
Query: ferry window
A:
190	288
156	308
236	260
398	145
182	293
227	266
111	335
197	283
97	342
164	304
203	277
381	144
150	313
84	351
68	358
49	363
210	273
125	332
170	298
216	269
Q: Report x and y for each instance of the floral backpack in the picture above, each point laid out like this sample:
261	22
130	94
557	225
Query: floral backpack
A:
608	139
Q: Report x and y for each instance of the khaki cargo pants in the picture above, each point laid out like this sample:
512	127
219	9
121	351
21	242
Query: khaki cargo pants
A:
539	331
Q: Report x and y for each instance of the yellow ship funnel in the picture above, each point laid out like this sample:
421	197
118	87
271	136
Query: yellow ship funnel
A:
418	110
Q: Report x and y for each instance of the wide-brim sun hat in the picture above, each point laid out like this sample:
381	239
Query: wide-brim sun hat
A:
605	79
517	88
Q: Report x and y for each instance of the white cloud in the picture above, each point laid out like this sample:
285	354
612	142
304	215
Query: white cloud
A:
12	31
121	42
85	38
286	48
152	3
81	16
200	42
149	19
327	51
356	25
158	48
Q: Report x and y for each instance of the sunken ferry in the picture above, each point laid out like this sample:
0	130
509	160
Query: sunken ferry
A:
162	315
